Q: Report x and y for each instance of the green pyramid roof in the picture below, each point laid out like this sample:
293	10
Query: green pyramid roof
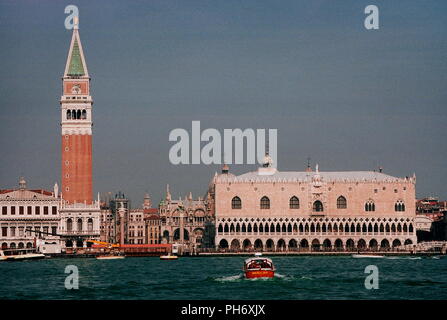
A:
76	68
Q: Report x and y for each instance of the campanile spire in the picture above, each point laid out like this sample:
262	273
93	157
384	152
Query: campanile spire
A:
76	125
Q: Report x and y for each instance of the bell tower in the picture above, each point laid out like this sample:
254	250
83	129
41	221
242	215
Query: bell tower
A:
76	124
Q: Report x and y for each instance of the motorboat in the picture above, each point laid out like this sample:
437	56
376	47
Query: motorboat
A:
169	257
20	254
172	255
373	256
258	267
110	256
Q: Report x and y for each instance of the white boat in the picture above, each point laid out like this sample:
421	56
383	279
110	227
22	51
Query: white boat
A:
367	256
111	257
19	254
169	257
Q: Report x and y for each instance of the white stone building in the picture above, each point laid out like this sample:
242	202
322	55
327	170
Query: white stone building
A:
23	209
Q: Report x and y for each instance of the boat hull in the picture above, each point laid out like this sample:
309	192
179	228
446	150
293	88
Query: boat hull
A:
359	256
168	257
110	258
28	256
253	274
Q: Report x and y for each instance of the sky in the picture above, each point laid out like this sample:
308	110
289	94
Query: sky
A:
348	98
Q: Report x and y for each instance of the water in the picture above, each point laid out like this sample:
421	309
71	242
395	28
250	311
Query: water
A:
298	277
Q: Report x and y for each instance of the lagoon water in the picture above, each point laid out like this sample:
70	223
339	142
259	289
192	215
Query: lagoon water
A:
298	277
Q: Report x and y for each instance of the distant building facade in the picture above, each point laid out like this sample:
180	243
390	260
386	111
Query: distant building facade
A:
312	210
188	222
151	222
23	209
122	224
430	215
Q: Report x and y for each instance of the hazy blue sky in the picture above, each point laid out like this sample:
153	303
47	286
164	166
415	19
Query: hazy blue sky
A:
349	98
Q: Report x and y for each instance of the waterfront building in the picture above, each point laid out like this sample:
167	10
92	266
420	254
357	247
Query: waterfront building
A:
188	222
151	222
23	209
430	213
122	224
152	226
107	224
312	210
119	210
80	214
136	233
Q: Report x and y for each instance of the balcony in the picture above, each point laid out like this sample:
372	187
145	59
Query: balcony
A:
81	233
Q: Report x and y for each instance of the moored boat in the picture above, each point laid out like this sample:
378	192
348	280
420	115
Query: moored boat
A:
111	256
168	257
367	256
258	267
20	254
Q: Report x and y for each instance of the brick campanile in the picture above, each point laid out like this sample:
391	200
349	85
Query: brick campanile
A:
76	124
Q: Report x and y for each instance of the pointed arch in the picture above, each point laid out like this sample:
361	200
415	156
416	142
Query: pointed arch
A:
294	203
341	202
236	203
265	203
317	206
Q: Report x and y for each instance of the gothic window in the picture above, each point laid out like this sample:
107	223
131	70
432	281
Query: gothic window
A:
318	206
341	202
265	203
73	114
236	203
78	114
399	206
68	115
84	115
294	203
370	206
79	224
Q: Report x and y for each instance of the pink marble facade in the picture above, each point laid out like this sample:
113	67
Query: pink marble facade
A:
379	210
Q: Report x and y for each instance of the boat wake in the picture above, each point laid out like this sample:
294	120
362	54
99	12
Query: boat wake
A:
403	258
230	278
240	277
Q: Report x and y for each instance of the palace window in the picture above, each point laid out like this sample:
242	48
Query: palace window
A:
13	210
317	206
370	206
90	224
341	202
45	210
265	203
4	210
294	203
236	203
21	210
69	225
54	210
399	206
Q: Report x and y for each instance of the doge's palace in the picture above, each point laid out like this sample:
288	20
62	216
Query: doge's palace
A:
313	210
